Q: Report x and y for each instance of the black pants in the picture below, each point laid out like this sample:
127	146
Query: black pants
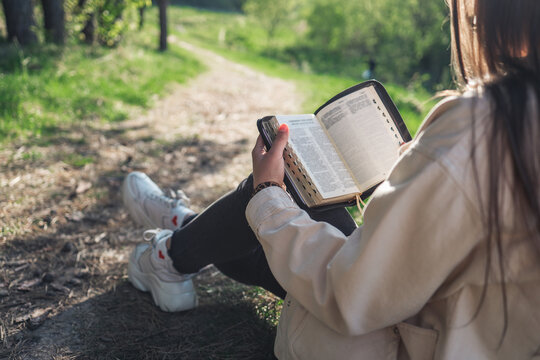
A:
220	235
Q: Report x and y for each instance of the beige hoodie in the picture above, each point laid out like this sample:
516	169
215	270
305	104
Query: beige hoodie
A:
407	283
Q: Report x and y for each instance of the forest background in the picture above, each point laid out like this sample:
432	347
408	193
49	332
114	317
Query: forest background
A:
324	45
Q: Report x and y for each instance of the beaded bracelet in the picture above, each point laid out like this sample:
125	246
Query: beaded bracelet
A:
266	184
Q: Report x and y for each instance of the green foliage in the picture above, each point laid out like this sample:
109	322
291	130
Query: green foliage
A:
78	160
32	155
267	308
10	97
111	17
272	15
111	22
141	3
406	39
45	87
328	25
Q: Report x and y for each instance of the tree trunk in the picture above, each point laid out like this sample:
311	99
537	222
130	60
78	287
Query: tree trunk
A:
163	24
9	9
141	16
20	20
53	16
89	28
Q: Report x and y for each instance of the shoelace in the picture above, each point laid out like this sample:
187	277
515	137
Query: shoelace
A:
180	196
150	235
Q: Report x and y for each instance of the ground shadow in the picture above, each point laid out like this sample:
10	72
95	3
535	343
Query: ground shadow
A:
69	297
123	324
63	286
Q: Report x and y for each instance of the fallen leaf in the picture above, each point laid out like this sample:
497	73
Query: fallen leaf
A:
19	152
23	318
22	267
15	262
100	237
75	216
14	181
59	287
35	319
28	284
83	186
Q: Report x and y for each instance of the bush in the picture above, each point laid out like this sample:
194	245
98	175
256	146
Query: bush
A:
272	15
404	38
111	18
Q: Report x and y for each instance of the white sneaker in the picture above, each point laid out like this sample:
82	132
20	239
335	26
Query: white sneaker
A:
149	206
151	269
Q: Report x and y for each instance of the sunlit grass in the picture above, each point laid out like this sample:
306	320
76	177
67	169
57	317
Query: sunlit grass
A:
45	86
78	161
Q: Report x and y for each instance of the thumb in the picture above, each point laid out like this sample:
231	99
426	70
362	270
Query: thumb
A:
280	141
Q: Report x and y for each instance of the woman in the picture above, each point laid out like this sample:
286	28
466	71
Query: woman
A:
447	262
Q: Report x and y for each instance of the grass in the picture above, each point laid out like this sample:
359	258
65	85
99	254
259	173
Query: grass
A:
46	86
78	161
32	155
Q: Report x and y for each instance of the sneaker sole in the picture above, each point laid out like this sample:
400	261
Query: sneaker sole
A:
169	297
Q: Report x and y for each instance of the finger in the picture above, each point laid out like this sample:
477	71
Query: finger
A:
259	148
280	141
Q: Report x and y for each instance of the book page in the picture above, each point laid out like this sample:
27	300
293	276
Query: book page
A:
364	133
318	155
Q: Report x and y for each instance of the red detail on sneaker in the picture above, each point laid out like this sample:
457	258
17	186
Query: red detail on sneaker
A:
160	255
175	220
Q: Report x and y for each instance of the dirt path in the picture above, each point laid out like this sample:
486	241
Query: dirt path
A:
65	238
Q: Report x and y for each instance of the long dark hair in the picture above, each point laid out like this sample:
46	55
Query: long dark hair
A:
496	47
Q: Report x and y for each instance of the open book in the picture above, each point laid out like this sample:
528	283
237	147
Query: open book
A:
342	151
